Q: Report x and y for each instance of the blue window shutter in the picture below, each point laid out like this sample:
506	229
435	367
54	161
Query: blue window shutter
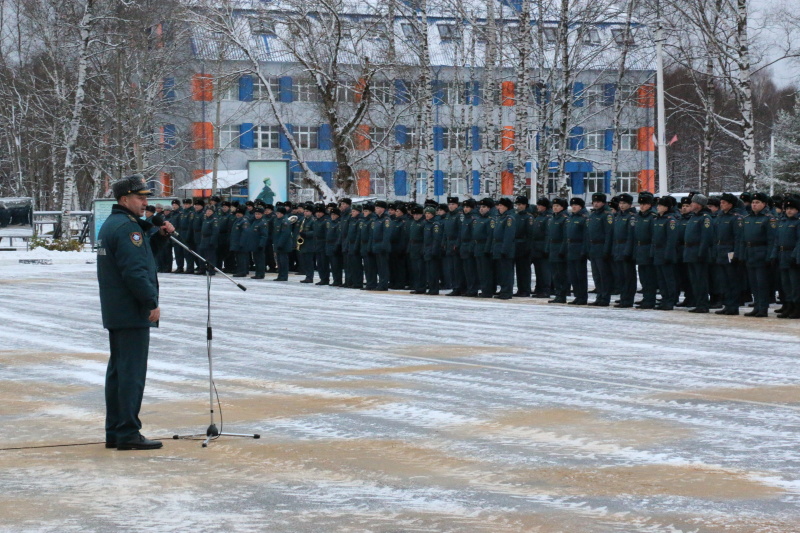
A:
401	95
284	142
324	137
607	182
400	183
577	93
246	88
168	89
246	138
438	138
170	136
401	135
577	182
609	139
476	93
285	86
576	138
609	93
476	182
438	182
475	134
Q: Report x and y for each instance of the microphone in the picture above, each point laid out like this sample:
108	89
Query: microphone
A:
158	221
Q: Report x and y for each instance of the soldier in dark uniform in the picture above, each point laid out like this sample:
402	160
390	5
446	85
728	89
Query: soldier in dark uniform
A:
238	230
225	218
466	250
257	238
755	246
354	259
306	251
126	273
698	240
785	254
643	251
209	239
333	245
149	212
344	245
197	232
664	253
164	257
557	250
576	237
432	249
503	244
453	271
622	250
522	247
186	237
482	234
416	256
269	249
175	220
541	263
381	244
320	240
599	231
283	241
727	232
682	268
365	228
398	260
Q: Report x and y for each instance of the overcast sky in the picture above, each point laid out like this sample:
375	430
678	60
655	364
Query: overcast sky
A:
786	72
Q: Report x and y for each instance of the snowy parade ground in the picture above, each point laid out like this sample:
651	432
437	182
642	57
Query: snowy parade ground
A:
389	412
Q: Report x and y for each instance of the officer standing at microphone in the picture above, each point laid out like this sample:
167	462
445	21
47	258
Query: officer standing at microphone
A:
126	273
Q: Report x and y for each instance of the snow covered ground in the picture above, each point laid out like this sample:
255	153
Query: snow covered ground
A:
390	412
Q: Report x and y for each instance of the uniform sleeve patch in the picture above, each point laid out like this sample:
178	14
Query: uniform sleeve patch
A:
388	223
610	219
509	223
707	223
774	224
136	238
436	229
491	224
673	224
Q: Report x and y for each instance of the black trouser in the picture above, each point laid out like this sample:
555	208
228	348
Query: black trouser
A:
433	269
125	378
665	276
418	280
335	262
165	258
578	277
649	280
398	272
179	256
242	263
371	271
356	270
222	254
758	273
449	274
269	254
684	282
323	267
190	258
603	279
625	271
790	280
382	265
698	278
728	275
505	275
283	266
470	269
559	279
306	260
485	273
210	255
259	259
544	278
522	265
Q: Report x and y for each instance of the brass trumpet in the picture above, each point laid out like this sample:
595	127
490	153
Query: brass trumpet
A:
300	240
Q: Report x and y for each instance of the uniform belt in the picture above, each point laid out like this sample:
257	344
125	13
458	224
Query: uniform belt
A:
751	244
643	243
724	243
480	240
691	244
556	242
624	241
574	241
415	241
598	242
659	246
787	248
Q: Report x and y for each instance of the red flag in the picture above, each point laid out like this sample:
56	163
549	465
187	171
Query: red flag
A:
673	140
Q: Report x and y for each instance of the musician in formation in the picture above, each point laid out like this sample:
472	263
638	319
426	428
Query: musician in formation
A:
720	253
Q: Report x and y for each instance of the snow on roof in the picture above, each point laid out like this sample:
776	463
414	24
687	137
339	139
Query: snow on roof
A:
225	179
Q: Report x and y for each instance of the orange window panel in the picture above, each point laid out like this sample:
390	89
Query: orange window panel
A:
202	136
644	139
199	173
362	182
507	183
507	97
507	139
647	180
202	88
166	183
362	140
361	84
646	95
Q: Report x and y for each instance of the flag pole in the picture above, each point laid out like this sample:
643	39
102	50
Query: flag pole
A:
662	116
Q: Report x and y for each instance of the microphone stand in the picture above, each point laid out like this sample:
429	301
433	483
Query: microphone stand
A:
212	433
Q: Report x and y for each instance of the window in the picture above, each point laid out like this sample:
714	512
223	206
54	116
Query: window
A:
594	182
552	182
454	138
297	177
377	32
619	37
480	33
411	138
345	94
260	89
422	184
489	186
595	140
628	140
228	134
454	183
378	135
593	95
627	182
409	31
450	92
377	185
260	26
305	91
382	91
306	136
266	137
591	36
550	35
447	31
228	90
